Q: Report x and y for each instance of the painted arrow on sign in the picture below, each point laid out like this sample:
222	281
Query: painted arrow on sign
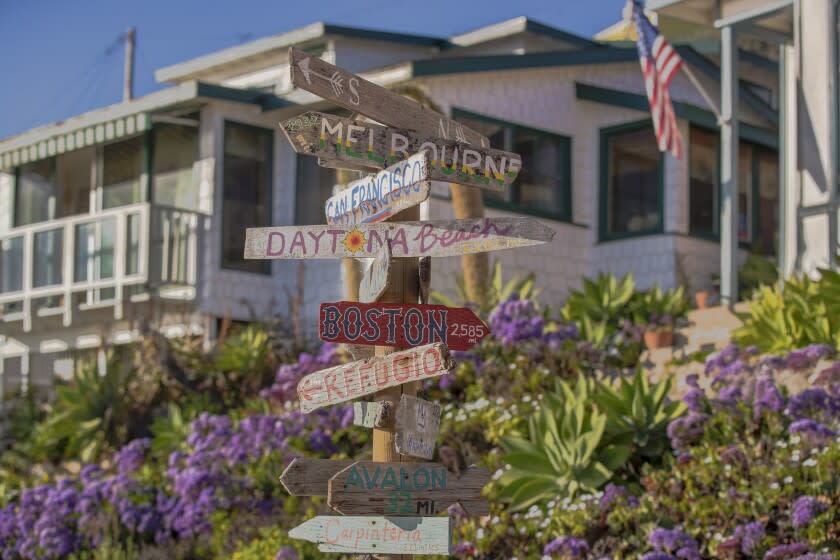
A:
403	325
345	143
310	477
357	94
383	535
437	238
378	197
376	277
357	379
373	488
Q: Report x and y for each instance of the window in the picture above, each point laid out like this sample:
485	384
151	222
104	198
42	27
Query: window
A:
246	192
74	171
175	148
314	186
543	186
121	169
631	182
35	193
758	191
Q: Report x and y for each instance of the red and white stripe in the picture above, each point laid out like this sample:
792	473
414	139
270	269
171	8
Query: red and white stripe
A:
657	79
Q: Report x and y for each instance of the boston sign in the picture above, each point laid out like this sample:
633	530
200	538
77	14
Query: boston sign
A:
349	381
438	238
341	142
403	325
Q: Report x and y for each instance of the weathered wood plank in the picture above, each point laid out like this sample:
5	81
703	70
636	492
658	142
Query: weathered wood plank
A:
418	415
376	277
425	273
371	414
357	379
357	94
378	197
383	535
403	325
373	488
310	477
360	352
415	445
344	143
438	238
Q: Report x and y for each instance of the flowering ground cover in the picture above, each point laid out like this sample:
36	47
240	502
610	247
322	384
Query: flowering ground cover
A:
739	469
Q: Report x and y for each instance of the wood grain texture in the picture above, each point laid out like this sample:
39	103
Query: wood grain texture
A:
350	381
436	238
378	197
385	535
371	414
357	94
347	144
406	488
418	415
310	477
376	277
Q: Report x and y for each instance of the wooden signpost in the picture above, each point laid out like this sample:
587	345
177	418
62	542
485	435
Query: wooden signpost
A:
311	477
376	277
386	535
345	143
437	238
403	325
357	94
417	425
350	381
378	197
371	488
371	414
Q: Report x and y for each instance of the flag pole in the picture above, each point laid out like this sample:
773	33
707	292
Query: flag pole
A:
703	93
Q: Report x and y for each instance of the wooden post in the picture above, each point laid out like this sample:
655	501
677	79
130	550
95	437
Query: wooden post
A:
403	288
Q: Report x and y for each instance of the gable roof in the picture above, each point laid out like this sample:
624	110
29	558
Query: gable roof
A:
514	26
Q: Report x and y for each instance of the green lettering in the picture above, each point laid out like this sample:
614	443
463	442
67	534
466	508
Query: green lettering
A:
439	478
389	478
421	485
371	483
354	478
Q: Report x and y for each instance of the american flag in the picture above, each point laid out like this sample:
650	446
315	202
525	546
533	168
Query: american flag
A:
659	64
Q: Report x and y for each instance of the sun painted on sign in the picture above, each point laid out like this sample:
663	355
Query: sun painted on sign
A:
354	241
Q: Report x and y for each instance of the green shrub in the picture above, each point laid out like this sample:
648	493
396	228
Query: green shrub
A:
497	291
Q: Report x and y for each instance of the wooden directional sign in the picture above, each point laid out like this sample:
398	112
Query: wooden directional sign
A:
376	277
357	379
417	424
360	352
403	325
310	477
345	143
437	238
369	488
357	94
378	197
371	414
383	535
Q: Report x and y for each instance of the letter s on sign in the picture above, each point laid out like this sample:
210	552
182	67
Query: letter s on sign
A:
352	84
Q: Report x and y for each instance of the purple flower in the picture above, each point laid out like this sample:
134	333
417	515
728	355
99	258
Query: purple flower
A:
130	458
766	397
733	455
457	512
729	395
570	547
687	429
673	541
812	403
785	551
657	556
515	320
286	553
807	357
695	400
612	494
805	508
284	388
464	550
811	428
750	535
814	556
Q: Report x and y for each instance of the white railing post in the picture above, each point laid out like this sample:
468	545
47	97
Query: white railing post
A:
28	270
192	252
68	271
119	263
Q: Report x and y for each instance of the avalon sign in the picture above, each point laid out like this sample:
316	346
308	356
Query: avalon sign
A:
378	197
437	238
357	379
373	488
403	325
357	94
383	535
345	143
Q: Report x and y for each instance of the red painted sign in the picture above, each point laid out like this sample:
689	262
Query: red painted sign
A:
403	325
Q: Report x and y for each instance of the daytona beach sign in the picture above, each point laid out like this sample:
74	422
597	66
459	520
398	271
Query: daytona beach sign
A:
403	325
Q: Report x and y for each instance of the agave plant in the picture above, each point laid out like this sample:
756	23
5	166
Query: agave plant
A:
564	452
498	291
604	299
638	415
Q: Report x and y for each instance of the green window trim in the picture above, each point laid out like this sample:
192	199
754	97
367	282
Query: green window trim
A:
605	133
565	143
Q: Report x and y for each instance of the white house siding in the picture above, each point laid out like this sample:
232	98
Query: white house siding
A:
6	201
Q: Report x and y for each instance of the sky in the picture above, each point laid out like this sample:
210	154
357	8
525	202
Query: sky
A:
60	58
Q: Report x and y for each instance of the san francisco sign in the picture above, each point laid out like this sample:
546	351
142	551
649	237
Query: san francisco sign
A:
357	94
383	535
403	325
373	488
349	381
437	238
378	197
345	143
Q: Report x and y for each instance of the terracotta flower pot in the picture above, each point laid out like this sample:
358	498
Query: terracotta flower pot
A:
702	299
661	338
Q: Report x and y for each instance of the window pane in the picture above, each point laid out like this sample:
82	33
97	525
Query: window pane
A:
175	149
539	185
121	173
745	189
495	132
246	192
703	182
73	177
768	200
633	203
314	186
36	193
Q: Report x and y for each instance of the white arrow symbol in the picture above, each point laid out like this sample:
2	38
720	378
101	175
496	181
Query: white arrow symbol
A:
334	80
